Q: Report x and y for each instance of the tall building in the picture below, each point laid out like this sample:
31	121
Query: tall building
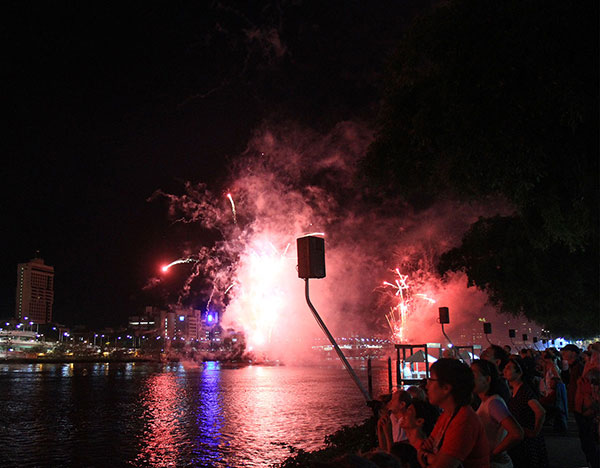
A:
35	291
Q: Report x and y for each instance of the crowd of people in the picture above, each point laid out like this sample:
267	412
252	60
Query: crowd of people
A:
490	413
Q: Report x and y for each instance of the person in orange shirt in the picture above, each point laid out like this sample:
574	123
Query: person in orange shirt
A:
458	436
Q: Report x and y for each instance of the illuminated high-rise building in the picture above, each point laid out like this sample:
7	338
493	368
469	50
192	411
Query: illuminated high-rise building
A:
35	291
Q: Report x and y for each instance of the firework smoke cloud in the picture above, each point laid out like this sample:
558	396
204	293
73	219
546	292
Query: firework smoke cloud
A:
292	181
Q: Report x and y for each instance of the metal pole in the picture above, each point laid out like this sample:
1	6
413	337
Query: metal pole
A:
370	378
390	373
449	340
404	362
426	362
398	371
335	346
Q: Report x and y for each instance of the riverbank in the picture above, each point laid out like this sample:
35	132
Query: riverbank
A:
76	359
226	363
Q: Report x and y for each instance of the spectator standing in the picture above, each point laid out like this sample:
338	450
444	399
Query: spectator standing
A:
571	354
587	407
527	410
458	436
553	395
498	356
501	428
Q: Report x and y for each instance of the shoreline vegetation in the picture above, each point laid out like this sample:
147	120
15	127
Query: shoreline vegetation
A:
359	439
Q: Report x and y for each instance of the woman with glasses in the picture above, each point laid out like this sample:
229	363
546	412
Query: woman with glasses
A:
458	438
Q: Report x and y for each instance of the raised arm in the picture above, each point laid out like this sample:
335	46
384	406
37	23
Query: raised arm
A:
384	432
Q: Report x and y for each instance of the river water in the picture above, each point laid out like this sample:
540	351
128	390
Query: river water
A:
161	415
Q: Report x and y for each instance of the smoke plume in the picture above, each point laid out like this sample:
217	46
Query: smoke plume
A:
292	181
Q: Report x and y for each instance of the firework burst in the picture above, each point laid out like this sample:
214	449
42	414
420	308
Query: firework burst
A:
232	208
407	303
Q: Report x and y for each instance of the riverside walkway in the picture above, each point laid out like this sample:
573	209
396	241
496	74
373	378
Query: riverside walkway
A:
564	450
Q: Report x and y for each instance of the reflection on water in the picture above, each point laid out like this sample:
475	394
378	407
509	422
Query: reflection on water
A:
162	413
138	415
209	417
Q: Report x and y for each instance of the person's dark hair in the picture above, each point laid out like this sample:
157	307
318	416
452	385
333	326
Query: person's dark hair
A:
501	354
347	461
571	347
429	413
490	370
417	393
384	459
406	453
404	397
526	368
458	375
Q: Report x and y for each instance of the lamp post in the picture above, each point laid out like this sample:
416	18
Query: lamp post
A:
311	264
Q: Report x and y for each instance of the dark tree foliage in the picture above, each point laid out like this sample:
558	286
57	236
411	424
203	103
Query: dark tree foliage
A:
496	98
556	287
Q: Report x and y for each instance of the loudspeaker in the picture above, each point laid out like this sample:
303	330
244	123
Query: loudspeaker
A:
535	339
311	257
444	315
524	336
511	333
487	328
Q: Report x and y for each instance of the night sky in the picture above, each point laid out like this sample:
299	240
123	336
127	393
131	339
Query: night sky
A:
107	103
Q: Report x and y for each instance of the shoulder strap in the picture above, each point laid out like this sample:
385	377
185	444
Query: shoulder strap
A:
441	441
